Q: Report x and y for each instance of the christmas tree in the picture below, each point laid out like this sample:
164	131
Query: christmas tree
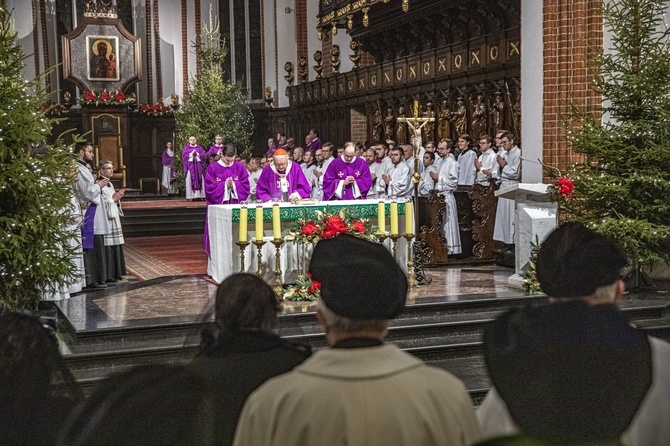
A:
35	186
622	189
211	106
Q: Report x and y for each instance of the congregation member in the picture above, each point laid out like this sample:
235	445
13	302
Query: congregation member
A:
446	182
398	180
466	161
282	180
347	177
254	172
89	193
314	141
361	390
114	241
427	184
575	370
226	182
507	171
327	153
193	158
244	352
486	160
168	177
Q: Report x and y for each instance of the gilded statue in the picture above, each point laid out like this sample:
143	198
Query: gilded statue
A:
444	121
401	129
460	117
479	117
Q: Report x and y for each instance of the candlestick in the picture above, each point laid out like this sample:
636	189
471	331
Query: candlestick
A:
259	222
394	218
394	238
244	217
243	246
276	222
381	217
411	278
278	288
409	217
259	254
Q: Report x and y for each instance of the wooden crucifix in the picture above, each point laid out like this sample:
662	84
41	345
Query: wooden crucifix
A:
415	124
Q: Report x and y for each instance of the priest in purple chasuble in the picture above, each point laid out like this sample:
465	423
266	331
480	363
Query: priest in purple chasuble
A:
193	158
226	182
283	180
347	177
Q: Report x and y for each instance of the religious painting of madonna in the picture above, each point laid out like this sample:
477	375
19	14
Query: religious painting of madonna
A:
102	58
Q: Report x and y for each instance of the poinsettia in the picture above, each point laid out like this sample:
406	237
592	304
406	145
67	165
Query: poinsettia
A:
565	187
309	229
359	226
105	96
89	96
119	96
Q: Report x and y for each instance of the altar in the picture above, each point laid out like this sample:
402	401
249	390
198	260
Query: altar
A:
224	232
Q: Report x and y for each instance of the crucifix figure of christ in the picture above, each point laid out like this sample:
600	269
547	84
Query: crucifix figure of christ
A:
415	124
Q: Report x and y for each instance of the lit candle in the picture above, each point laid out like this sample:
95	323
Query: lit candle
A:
394	218
276	222
244	216
381	217
409	218
259	223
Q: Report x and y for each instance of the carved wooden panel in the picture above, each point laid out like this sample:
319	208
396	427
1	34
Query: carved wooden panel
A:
431	219
484	205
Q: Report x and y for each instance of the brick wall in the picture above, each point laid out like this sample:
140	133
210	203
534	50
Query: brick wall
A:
366	59
570	29
359	126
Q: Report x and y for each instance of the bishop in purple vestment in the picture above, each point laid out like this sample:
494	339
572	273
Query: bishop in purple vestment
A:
226	182
283	180
193	159
347	177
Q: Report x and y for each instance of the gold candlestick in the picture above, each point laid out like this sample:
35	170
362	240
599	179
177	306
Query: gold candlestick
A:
259	254
278	288
382	237
243	247
411	278
395	238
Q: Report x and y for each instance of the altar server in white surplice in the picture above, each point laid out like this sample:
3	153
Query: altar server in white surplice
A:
486	161
399	178
447	182
427	183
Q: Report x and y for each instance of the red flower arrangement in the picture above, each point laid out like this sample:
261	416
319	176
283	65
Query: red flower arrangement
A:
565	187
104	97
156	109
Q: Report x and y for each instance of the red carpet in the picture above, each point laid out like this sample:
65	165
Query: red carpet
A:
149	257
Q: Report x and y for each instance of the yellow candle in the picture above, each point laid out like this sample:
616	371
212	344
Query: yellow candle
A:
276	222
394	218
244	216
381	217
259	223
409	218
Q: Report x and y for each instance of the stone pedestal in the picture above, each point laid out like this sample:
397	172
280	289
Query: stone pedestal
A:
535	217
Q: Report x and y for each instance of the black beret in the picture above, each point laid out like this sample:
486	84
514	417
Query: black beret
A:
359	279
574	260
569	371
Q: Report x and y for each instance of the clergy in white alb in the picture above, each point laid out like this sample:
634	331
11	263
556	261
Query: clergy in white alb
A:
466	161
399	178
447	182
508	171
427	183
486	161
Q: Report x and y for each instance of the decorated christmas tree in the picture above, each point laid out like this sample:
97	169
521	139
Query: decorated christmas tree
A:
622	189
213	106
35	186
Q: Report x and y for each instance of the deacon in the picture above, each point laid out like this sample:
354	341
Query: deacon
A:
347	177
282	180
214	152
193	157
226	182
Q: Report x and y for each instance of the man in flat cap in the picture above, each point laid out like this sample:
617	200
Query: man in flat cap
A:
360	391
575	371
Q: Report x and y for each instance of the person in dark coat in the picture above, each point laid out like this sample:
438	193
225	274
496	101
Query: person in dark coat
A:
245	352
